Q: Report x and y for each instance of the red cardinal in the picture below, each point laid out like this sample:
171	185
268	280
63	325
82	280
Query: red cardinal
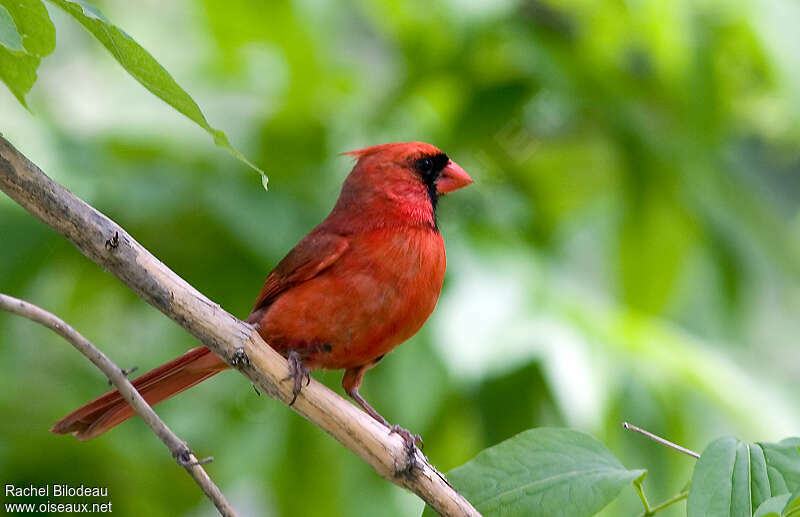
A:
361	283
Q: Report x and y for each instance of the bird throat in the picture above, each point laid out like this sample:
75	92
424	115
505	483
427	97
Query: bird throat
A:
433	196
439	162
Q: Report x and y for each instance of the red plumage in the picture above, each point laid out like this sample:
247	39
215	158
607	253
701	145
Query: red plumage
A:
362	282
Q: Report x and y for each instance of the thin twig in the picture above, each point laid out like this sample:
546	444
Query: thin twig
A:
227	336
180	451
660	440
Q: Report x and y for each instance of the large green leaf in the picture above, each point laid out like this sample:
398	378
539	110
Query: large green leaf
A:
27	35
542	472
734	478
145	69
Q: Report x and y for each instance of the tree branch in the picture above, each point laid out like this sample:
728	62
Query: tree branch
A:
180	451
110	246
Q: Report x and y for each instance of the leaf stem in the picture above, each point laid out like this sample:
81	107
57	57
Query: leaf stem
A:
637	484
650	511
669	502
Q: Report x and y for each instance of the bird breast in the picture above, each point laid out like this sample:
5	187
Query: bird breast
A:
374	297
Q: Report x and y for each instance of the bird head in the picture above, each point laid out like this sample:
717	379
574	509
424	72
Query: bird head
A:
411	174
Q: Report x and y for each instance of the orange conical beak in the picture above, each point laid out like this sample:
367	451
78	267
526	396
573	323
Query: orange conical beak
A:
452	177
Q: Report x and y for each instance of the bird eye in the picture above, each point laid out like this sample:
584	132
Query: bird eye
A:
425	165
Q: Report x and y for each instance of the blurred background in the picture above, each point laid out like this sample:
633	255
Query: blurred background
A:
630	249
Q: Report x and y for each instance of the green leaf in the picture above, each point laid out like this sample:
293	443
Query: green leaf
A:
772	507
145	69
18	72
792	508
734	478
9	36
542	472
37	35
34	26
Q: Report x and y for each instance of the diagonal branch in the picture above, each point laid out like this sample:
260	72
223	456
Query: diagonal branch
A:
110	246
180	451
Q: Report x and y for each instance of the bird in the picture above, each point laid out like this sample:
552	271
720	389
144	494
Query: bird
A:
363	281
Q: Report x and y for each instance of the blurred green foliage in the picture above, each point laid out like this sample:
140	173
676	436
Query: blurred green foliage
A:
630	249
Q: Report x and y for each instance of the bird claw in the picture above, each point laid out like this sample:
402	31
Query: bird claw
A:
408	437
298	372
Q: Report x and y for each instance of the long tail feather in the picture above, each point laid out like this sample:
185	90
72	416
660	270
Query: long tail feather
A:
109	410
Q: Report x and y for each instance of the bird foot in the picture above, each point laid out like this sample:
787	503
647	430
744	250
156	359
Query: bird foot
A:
407	436
298	372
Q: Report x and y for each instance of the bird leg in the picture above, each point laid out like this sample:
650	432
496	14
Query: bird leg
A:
298	372
352	381
408	437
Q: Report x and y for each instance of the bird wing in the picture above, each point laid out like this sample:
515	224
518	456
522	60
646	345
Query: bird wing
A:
312	255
